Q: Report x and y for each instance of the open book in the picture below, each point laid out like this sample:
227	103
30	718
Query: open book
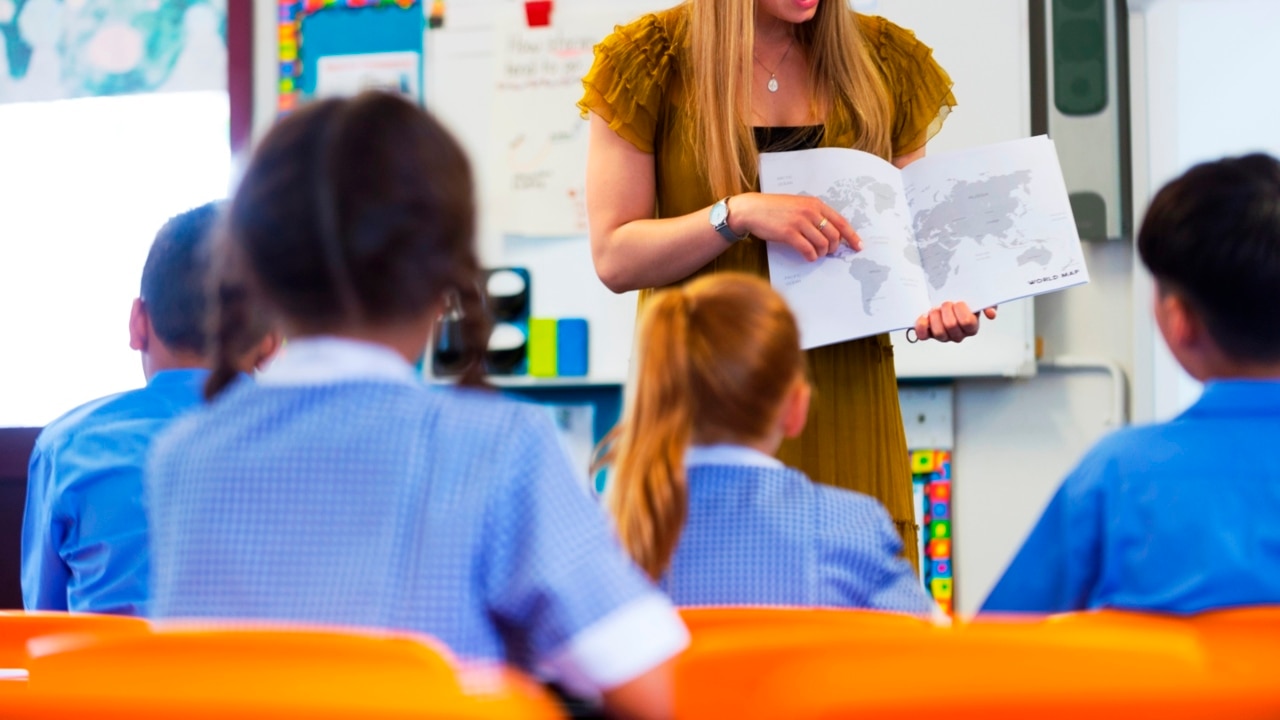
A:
984	226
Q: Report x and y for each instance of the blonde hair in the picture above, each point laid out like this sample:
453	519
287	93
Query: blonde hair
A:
841	70
716	360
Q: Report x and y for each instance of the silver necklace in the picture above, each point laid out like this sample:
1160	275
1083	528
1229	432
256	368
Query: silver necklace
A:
773	75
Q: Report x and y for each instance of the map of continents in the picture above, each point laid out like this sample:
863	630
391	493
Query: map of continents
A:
975	211
854	198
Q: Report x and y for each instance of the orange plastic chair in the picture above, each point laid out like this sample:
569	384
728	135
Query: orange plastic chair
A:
784	664
17	627
248	673
736	653
705	619
1242	646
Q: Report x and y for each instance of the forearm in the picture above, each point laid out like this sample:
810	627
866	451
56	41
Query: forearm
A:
656	252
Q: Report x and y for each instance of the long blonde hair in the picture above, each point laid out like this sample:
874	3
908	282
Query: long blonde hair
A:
841	69
716	359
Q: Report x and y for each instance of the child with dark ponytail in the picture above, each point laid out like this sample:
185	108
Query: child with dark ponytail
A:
340	489
696	495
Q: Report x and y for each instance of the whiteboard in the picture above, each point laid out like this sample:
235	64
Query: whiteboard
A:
984	44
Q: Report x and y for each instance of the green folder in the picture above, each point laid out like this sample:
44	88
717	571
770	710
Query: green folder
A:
542	347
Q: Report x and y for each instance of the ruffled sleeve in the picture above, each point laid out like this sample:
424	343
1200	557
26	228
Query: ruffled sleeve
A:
628	80
919	88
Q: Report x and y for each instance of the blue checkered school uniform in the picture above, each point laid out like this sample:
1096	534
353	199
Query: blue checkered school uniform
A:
760	533
369	499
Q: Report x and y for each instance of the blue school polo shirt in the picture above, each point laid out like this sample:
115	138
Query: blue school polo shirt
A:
84	531
1179	517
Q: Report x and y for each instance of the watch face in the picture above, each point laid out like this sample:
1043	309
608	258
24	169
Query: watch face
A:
719	213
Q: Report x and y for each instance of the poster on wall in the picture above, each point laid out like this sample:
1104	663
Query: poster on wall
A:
345	75
64	49
340	47
539	145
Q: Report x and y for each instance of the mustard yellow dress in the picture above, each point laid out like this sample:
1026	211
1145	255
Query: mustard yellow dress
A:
854	438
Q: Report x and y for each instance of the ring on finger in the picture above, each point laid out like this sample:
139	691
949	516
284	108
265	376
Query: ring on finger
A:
822	224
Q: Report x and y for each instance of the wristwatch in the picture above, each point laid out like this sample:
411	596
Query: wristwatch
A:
720	221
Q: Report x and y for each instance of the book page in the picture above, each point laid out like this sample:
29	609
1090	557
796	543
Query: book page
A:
994	223
849	294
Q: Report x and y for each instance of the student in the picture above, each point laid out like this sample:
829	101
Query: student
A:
84	533
1180	516
341	489
698	499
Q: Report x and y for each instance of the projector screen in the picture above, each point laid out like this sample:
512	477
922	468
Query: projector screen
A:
84	186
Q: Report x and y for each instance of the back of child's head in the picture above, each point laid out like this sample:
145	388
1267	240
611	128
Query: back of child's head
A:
1213	237
716	359
353	214
175	277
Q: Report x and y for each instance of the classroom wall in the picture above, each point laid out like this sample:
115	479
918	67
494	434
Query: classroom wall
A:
1210	92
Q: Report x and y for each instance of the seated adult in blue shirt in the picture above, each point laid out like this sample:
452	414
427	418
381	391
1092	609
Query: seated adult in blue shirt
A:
697	496
1180	516
84	532
339	488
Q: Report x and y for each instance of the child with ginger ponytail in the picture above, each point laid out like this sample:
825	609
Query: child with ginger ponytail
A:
697	497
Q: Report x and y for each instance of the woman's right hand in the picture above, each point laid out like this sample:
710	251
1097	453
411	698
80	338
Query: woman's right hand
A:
803	222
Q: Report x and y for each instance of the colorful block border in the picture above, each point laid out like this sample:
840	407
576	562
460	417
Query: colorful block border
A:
291	15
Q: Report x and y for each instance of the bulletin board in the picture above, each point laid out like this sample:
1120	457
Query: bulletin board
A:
311	31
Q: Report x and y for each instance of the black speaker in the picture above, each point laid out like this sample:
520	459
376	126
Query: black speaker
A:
507	294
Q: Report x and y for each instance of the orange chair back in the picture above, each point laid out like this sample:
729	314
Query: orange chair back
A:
17	628
1242	646
703	619
270	672
832	664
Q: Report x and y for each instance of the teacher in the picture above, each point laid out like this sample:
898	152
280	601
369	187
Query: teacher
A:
681	102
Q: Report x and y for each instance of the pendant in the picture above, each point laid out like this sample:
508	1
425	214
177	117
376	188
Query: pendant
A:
773	83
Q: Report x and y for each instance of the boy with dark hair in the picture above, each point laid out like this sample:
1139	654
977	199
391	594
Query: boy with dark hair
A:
1180	516
84	533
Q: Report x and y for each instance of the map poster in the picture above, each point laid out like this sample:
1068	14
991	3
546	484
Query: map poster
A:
540	140
984	226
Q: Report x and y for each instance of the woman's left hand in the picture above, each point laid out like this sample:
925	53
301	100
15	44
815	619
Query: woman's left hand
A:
950	322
